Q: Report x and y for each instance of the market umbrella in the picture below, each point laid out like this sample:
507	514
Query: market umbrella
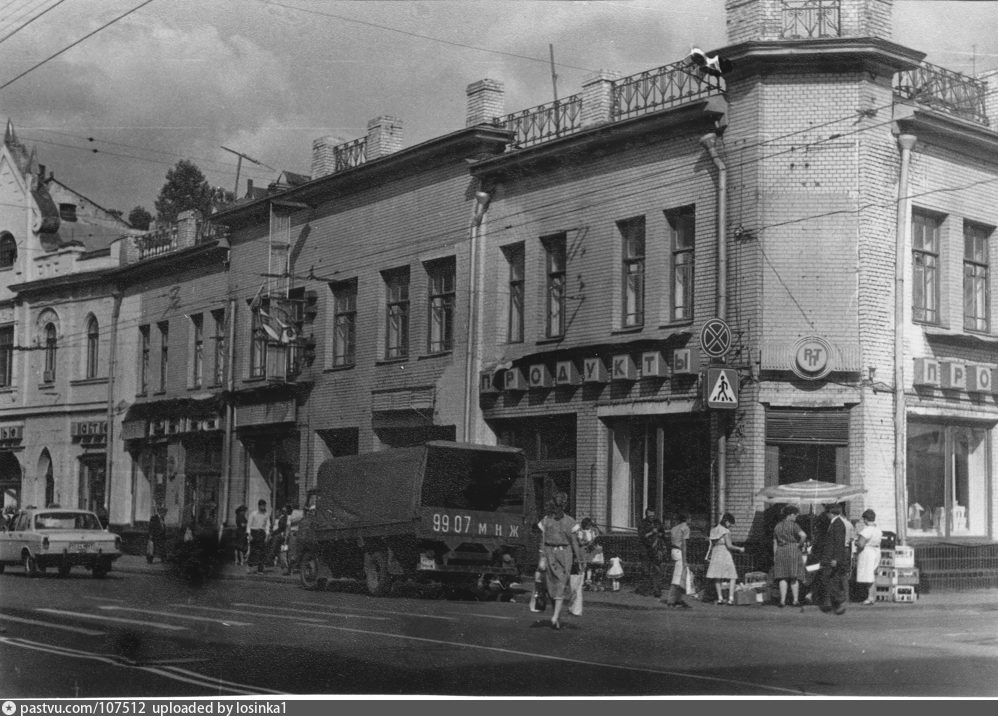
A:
810	492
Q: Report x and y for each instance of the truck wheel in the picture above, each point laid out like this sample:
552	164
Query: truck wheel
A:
64	570
308	566
376	573
101	569
31	565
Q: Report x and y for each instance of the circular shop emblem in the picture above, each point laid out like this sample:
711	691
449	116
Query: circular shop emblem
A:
812	358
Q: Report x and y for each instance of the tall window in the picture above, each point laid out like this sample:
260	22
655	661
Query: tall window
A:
554	248
258	345
682	227
218	339
197	359
6	356
514	321
947	480
397	313
976	296
925	267
93	347
143	360
632	234
8	250
441	305
344	323
51	346
164	353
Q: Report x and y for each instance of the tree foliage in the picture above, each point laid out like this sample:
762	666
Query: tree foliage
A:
139	218
185	188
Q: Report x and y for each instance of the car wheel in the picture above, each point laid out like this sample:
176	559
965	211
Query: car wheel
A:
379	582
100	570
309	570
64	570
31	568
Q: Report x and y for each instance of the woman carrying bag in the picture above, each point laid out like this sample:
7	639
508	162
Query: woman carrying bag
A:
561	552
722	565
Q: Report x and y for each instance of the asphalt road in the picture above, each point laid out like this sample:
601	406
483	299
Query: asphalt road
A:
144	635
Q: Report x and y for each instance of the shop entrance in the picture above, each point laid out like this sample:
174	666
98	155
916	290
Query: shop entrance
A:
549	444
10	481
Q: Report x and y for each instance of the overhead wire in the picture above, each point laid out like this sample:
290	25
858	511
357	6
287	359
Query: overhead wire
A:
35	17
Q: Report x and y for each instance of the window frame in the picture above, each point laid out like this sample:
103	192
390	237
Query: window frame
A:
258	342
218	325
344	333
556	276
164	354
51	352
441	285
92	367
145	354
7	355
977	277
516	291
397	313
8	250
633	261
197	350
926	265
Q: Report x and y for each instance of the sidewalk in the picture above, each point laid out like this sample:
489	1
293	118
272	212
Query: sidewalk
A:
626	598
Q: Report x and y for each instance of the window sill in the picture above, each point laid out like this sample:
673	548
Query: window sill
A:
549	341
391	361
160	392
255	379
677	324
627	330
89	381
46	386
339	368
7	389
143	394
439	354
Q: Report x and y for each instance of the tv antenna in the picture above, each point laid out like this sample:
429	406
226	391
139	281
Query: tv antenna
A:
239	166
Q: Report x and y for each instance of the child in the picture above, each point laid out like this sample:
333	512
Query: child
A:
615	573
594	575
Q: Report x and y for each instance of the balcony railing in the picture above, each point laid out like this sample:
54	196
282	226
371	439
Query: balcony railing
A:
158	242
350	154
806	19
661	88
544	122
944	90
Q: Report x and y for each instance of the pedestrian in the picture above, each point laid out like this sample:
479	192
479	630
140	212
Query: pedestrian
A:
681	579
257	530
788	543
819	535
653	538
615	573
561	551
836	562
539	598
597	568
868	554
587	533
290	549
156	547
722	565
240	539
277	536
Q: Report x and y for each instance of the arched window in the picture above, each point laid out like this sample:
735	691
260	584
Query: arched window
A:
93	347
8	250
51	342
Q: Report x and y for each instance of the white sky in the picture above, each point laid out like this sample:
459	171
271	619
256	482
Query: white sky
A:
179	78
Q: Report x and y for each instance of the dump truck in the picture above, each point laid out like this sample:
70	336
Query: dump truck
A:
442	512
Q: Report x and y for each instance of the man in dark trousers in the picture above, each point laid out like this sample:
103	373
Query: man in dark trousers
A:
652	537
836	559
819	536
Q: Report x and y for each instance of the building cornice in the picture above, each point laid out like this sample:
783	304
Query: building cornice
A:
944	130
832	55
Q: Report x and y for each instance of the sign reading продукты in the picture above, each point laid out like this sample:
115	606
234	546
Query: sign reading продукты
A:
721	388
715	338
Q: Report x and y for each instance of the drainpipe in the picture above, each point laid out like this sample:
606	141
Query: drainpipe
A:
906	143
230	313
111	371
472	358
709	141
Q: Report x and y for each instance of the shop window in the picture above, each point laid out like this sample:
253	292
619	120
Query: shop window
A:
976	275
441	275
396	313
682	229
8	250
514	315
344	323
807	445
555	250
632	234
947	480
925	289
6	356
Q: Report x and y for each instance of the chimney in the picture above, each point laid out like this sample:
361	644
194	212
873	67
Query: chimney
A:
384	136
324	156
187	228
486	102
249	188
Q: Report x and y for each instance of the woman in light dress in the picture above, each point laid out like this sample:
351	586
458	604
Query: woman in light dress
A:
722	566
868	554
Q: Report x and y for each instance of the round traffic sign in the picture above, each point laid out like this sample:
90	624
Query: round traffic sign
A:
715	338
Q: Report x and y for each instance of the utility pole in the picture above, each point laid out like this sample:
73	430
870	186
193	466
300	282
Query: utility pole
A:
239	166
554	88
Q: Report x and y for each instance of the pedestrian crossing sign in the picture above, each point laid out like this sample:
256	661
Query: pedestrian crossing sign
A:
721	388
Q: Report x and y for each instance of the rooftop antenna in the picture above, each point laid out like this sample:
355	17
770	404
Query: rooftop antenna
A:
239	166
554	88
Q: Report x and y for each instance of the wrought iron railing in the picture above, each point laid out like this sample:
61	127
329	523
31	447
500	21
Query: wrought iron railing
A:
350	154
811	18
944	90
661	88
544	122
157	242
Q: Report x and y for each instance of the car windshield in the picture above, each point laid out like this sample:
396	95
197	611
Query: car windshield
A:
67	521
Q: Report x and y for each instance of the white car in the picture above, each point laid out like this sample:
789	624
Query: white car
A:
60	538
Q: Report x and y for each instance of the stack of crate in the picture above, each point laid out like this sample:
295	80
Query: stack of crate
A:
896	576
